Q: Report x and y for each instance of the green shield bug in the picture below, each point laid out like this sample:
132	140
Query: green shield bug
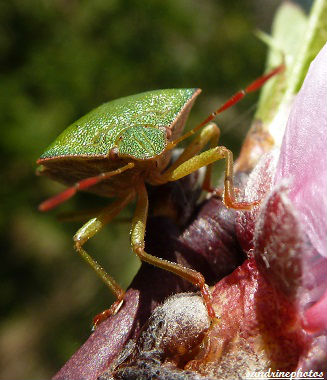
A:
123	144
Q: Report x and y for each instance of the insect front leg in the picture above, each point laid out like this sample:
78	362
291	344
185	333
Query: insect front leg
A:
208	135
137	241
206	158
86	232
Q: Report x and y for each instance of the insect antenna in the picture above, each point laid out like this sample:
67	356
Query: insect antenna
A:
254	86
81	185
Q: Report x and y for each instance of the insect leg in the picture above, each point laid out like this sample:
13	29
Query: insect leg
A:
88	231
207	158
137	241
209	134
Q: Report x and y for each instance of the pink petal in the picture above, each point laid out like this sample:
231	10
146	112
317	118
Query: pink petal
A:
303	153
316	316
303	159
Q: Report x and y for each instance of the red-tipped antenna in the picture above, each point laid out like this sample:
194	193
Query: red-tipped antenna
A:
81	185
255	85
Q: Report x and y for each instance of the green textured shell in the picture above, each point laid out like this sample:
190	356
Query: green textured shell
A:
130	124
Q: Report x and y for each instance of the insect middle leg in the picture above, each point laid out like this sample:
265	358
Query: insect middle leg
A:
86	232
137	241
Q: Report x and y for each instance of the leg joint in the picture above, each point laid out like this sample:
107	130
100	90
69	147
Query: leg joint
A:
200	281
225	152
77	244
212	127
138	249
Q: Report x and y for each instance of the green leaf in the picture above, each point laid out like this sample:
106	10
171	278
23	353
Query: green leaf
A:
296	39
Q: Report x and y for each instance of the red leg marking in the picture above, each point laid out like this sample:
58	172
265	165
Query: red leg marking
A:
231	203
207	300
101	317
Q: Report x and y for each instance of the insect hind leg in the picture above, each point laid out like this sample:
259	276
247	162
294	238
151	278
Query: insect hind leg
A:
87	231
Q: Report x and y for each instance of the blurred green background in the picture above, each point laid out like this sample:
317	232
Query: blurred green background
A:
60	59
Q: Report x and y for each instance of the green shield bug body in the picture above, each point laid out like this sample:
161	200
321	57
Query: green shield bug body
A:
123	144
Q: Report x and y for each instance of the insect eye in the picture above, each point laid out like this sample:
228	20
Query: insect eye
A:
113	153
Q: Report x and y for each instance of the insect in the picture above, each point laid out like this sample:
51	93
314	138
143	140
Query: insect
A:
123	144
